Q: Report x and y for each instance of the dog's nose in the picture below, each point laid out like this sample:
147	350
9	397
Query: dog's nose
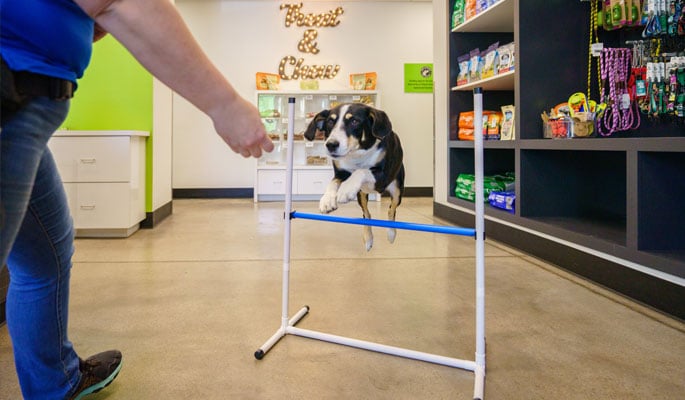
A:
332	145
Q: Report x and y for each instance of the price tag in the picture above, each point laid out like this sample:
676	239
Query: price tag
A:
308	144
284	120
309	97
356	98
333	97
625	101
597	49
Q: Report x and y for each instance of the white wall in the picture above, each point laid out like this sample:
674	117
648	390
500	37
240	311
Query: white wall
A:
245	37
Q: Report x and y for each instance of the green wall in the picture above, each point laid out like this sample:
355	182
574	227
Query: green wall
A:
115	93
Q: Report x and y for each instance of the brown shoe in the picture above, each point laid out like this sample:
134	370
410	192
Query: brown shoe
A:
97	372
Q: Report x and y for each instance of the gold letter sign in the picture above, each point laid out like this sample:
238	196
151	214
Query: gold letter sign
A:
296	67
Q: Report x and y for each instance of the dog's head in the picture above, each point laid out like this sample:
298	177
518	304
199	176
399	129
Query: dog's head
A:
350	127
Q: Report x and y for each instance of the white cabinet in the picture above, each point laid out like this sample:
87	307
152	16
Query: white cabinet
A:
104	177
312	170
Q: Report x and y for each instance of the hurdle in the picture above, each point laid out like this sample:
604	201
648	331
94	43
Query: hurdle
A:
477	366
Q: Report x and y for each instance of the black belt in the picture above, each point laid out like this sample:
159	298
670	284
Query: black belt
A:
28	84
34	85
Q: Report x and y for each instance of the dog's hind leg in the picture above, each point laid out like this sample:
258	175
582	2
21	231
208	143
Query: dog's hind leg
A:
363	200
395	199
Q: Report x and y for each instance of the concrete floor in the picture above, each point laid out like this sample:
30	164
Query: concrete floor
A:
190	301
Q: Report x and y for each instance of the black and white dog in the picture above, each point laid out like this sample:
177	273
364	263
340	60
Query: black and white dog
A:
367	158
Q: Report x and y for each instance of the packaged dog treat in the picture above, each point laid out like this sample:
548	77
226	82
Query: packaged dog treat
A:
505	56
474	65
469	9
463	75
458	13
490	61
507	130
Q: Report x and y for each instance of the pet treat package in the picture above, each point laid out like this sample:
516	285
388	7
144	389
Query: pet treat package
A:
481	5
266	81
469	9
474	65
505	58
490	129
490	61
458	13
463	75
503	200
363	81
507	130
466	186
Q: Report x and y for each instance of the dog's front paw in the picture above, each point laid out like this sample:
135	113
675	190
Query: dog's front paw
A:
328	203
347	193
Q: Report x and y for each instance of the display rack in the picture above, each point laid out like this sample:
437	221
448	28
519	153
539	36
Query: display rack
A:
288	323
604	208
312	170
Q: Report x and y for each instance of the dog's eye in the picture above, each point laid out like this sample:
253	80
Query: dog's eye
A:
330	124
354	122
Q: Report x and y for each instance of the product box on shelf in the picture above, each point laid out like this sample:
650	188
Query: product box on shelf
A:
466	185
503	200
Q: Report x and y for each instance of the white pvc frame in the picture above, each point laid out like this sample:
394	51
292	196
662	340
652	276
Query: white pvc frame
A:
288	323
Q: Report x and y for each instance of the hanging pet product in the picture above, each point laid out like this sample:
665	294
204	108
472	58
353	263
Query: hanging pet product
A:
621	112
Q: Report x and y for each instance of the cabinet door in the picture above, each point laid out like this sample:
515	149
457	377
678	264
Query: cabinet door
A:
92	159
313	181
271	181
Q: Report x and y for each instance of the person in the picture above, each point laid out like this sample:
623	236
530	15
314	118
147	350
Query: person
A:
45	47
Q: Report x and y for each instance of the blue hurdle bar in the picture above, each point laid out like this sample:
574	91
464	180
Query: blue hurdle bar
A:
450	230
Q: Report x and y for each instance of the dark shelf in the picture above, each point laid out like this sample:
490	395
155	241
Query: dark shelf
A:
612	208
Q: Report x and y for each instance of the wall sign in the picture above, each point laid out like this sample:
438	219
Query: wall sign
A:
292	67
418	78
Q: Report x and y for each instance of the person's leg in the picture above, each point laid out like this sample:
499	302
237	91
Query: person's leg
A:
38	295
37	232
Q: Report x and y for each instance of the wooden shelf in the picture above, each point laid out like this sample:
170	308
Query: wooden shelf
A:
503	81
497	18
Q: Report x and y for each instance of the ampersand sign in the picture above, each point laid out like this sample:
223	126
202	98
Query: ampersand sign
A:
307	44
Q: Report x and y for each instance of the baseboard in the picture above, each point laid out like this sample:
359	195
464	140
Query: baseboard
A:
651	291
239	193
155	217
216	193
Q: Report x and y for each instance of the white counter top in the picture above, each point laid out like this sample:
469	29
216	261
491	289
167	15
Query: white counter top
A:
100	133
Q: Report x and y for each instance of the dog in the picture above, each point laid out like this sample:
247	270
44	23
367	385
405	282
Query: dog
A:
367	158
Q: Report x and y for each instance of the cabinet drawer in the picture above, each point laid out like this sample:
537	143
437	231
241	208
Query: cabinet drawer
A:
103	205
271	181
92	159
313	182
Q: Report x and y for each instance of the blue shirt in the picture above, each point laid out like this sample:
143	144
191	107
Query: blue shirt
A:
48	37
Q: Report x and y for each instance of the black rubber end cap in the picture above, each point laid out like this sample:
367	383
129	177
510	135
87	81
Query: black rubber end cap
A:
259	354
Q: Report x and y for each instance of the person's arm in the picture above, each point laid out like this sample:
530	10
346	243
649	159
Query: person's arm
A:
156	35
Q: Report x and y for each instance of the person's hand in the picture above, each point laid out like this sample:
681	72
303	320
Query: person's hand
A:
240	126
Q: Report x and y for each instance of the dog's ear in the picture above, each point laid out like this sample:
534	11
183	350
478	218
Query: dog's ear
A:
380	123
317	124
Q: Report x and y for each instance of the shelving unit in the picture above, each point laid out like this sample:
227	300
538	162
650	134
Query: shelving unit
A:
609	208
312	170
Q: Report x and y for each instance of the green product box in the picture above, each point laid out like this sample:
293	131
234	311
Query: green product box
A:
466	185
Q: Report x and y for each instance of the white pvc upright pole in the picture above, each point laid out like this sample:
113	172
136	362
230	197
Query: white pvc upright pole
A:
287	211
480	244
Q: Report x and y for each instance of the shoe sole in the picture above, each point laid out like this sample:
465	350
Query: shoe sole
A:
100	385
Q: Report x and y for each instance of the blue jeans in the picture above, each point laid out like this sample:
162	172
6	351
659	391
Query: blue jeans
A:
37	242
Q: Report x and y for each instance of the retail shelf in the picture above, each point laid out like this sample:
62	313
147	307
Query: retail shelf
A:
665	144
503	81
488	144
497	18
